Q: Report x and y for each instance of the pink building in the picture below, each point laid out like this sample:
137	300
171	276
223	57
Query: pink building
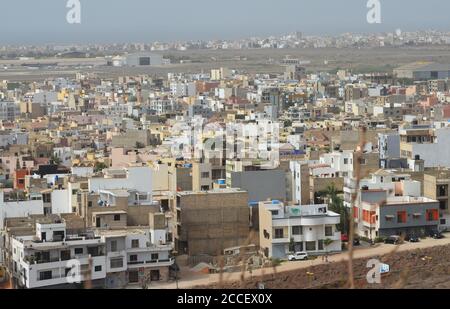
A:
122	157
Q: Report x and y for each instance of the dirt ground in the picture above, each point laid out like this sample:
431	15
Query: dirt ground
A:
416	269
250	60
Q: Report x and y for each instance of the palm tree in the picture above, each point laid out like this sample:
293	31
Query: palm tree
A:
336	204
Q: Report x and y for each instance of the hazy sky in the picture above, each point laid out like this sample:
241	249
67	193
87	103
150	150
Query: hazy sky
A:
44	21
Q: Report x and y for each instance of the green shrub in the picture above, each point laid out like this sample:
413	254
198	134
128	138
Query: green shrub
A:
380	239
275	262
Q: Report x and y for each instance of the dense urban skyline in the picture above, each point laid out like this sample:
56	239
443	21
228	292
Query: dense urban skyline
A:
138	20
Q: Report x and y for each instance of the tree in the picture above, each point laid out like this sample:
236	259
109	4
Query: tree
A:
99	166
336	204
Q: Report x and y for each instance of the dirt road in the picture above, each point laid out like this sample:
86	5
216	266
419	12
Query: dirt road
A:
334	271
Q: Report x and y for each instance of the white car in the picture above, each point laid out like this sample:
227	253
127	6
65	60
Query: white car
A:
298	256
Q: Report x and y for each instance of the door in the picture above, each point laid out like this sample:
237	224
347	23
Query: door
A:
133	276
97	222
154	275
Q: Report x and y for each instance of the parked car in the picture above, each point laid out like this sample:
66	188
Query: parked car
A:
393	240
298	256
356	242
436	235
412	238
344	237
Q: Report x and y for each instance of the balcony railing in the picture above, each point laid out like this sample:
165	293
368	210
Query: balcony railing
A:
151	261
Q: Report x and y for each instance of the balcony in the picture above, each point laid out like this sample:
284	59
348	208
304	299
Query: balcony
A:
151	263
280	240
152	248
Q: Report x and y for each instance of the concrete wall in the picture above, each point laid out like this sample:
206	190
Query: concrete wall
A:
139	178
261	185
212	222
60	202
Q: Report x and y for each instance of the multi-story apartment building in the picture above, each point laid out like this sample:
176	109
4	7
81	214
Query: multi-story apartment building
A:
425	143
388	146
436	186
397	215
51	257
355	92
9	110
393	182
207	222
60	254
163	105
284	229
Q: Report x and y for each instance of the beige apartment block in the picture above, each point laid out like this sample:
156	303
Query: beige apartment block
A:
208	222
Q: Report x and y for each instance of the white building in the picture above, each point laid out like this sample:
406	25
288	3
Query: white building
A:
428	144
284	229
107	258
9	110
138	178
183	89
19	208
390	181
51	257
341	163
163	106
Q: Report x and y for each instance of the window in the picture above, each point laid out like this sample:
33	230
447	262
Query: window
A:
94	251
274	212
45	275
266	234
133	258
345	161
432	215
297	230
78	251
155	256
205	174
442	190
279	233
90	204
362	161
116	217
135	243
74	191
442	221
116	263
133	276
310	246
401	217
320	244
98	268
328	231
113	245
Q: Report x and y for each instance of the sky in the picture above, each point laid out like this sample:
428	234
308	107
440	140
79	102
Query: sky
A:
108	21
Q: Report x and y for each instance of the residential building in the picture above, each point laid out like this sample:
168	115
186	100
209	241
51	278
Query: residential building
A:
208	222
286	229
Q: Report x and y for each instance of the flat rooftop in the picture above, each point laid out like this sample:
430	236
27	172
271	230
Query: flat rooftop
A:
214	191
